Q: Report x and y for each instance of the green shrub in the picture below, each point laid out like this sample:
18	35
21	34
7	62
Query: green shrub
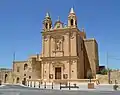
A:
115	87
89	75
104	71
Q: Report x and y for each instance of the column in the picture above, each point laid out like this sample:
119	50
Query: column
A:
43	52
49	54
69	54
43	70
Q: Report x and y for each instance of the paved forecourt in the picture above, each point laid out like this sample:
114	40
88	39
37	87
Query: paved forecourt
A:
21	90
82	86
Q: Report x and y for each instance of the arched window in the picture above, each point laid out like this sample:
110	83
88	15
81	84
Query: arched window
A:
25	66
76	23
18	69
46	25
17	81
71	21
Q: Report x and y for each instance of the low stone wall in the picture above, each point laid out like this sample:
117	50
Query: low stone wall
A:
114	75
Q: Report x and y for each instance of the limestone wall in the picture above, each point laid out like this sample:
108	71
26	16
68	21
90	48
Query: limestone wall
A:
115	75
92	53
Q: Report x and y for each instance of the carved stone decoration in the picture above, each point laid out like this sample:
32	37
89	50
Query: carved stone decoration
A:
45	38
72	35
61	37
67	33
47	62
74	61
51	76
58	24
67	61
65	76
58	42
58	45
58	64
71	61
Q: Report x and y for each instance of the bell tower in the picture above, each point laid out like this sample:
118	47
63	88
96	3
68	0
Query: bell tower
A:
47	23
72	19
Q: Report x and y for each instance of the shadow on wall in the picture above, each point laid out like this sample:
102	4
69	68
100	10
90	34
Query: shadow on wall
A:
86	62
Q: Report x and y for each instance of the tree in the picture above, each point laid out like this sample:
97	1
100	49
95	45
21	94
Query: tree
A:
104	71
89	74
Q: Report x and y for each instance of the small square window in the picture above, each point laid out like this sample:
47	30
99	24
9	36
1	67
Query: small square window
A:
18	69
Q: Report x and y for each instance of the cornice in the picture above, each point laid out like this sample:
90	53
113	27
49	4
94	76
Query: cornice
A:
59	58
20	61
60	31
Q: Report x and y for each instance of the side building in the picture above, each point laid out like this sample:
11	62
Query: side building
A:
30	69
6	75
91	48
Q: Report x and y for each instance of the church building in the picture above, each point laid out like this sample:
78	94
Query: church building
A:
67	54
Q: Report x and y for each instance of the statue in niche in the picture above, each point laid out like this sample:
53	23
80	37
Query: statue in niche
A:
58	45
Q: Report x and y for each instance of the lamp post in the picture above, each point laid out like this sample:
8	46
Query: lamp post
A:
108	70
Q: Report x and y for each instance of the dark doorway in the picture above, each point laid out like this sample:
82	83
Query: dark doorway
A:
6	76
17	81
58	73
24	81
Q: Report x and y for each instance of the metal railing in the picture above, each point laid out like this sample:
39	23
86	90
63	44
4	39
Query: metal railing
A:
52	85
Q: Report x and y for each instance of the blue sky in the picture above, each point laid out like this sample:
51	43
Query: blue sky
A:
21	24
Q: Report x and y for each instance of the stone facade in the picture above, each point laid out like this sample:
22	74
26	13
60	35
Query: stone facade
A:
66	54
30	69
91	48
6	75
